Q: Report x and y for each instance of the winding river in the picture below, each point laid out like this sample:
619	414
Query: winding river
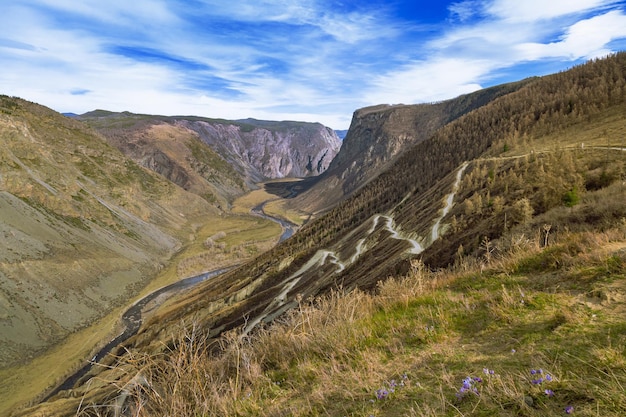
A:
131	321
132	318
288	228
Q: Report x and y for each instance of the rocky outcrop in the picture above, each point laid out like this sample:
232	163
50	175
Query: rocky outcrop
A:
218	159
378	135
268	150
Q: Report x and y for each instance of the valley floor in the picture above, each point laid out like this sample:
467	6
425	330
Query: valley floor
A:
217	243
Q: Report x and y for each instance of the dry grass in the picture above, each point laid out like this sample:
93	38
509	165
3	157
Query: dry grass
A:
247	202
532	338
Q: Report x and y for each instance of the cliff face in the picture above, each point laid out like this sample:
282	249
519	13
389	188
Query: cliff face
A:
269	150
378	135
218	159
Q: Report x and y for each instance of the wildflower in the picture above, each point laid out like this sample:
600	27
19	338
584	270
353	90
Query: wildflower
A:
382	394
569	409
548	377
549	392
404	378
513	350
468	386
536	381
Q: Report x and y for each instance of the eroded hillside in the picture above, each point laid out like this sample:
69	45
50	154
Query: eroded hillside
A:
218	159
84	227
545	158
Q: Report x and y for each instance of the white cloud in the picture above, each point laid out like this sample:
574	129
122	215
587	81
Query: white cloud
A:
584	39
428	81
533	10
349	27
149	12
313	63
465	10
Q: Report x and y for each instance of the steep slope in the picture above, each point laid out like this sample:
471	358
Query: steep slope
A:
378	135
84	228
239	153
266	150
518	161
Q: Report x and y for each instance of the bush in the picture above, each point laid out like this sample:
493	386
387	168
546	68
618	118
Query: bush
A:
571	198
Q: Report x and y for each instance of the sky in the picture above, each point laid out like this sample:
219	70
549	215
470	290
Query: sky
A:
307	60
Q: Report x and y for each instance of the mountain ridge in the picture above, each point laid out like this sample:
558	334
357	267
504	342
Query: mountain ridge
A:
380	134
494	176
237	154
74	212
391	193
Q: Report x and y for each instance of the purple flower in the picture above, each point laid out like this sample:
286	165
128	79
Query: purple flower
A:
569	409
381	394
536	381
549	392
548	377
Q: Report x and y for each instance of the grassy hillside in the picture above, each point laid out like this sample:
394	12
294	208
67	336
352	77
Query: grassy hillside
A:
517	207
533	331
85	230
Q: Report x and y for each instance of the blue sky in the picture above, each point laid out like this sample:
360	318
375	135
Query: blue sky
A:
311	60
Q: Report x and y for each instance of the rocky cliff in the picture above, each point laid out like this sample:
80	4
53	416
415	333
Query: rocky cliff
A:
218	159
378	135
269	150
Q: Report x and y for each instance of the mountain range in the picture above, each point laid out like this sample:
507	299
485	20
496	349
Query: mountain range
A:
436	184
218	159
88	218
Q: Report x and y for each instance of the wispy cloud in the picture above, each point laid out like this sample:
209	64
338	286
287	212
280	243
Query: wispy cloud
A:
536	10
315	60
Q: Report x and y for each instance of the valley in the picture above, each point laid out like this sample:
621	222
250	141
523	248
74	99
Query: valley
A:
483	232
47	373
